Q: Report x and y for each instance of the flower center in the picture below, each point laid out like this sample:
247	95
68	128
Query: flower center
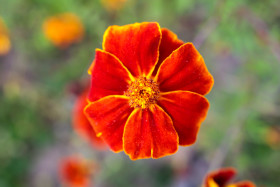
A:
142	93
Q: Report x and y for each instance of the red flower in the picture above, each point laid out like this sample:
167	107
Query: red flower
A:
81	123
147	90
221	178
76	171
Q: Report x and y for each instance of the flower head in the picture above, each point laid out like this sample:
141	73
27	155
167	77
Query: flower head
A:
221	178
63	29
5	43
76	171
273	137
147	88
81	123
113	5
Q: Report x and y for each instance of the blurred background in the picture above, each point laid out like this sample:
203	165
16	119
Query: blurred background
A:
42	70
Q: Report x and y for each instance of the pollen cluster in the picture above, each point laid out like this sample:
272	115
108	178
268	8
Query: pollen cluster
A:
142	93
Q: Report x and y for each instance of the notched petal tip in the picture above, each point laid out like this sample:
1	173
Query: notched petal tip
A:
116	27
187	110
149	133
185	70
135	45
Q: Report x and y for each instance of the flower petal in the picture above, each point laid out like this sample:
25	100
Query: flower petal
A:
91	67
169	43
76	171
81	124
136	45
108	76
149	133
220	177
184	70
187	110
243	184
108	117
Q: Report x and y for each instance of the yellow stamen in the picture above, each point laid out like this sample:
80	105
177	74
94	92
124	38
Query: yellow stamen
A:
142	93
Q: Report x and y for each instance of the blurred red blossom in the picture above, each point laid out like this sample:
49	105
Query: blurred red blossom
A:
76	171
222	177
147	88
81	124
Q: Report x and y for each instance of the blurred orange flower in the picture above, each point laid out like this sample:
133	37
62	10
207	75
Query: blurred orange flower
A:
113	5
63	29
147	88
81	123
76	171
221	178
5	43
273	137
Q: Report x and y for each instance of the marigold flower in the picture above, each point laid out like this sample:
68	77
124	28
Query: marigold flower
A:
5	43
273	137
113	5
63	29
147	88
221	178
81	123
76	171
